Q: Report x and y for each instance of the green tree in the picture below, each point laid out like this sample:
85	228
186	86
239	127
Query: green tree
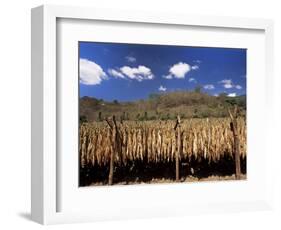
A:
83	119
100	116
153	96
198	89
168	116
145	117
127	116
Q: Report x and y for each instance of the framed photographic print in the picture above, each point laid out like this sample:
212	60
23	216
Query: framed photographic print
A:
137	114
160	113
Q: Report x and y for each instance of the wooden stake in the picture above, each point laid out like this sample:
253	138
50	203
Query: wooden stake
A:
178	152
117	147
111	169
111	163
236	147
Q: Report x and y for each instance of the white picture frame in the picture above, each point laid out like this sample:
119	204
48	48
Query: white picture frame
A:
45	90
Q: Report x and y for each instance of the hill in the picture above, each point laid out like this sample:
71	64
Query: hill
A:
162	106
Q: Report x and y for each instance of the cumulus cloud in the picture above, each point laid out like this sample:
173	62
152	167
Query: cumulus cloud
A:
178	70
231	95
140	73
115	73
192	80
131	59
209	86
162	88
90	72
228	84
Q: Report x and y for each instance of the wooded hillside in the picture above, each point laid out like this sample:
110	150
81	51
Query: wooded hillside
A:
164	106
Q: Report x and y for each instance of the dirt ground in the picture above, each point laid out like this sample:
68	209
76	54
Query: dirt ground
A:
188	179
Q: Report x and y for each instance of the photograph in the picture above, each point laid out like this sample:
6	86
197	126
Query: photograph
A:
154	113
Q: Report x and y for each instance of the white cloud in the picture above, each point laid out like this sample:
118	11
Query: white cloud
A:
194	67
209	87
115	73
227	83
162	88
231	95
90	72
192	80
169	76
228	86
197	61
178	70
131	59
140	73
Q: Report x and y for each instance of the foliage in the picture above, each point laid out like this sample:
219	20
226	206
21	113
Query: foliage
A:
83	119
163	106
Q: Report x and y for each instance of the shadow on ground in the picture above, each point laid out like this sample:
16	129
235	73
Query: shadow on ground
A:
25	215
145	172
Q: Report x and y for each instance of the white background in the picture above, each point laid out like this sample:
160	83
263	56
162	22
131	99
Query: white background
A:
15	113
95	201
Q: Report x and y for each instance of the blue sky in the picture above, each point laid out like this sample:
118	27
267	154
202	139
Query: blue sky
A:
127	72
